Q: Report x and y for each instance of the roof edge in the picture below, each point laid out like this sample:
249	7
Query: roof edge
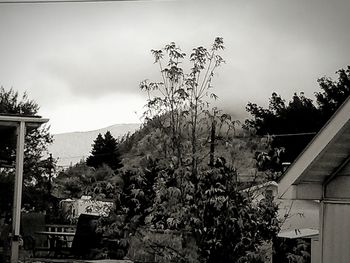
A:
326	134
16	119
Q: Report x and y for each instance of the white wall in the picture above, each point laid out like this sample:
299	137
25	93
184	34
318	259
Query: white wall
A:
336	232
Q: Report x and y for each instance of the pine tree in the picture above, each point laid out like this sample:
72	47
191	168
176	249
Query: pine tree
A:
105	151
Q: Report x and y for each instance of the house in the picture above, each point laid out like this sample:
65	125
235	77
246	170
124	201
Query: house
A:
322	172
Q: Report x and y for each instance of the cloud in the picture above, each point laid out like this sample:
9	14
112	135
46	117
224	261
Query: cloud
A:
98	74
74	54
87	114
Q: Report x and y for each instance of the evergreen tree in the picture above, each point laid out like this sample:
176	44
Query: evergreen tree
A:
95	159
105	151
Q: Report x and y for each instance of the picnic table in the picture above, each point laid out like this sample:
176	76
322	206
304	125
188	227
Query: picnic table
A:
70	241
51	233
58	237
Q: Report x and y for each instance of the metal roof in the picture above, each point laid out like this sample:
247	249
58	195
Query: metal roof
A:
326	155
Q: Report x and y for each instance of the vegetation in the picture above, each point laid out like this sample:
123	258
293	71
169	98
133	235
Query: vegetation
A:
179	104
36	181
292	250
180	187
80	179
190	156
222	219
105	152
290	127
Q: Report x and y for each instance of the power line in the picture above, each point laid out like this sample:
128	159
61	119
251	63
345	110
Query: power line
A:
71	157
276	135
291	134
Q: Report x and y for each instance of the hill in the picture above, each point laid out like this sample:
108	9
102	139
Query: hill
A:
143	141
238	149
72	147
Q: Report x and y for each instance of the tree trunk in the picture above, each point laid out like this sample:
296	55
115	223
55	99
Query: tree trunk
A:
212	143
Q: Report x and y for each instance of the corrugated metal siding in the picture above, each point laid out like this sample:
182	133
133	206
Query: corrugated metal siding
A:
336	233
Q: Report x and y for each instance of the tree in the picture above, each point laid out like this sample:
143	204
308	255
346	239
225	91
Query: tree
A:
299	116
36	143
105	151
292	250
188	196
229	226
183	186
291	126
179	102
223	220
80	179
333	93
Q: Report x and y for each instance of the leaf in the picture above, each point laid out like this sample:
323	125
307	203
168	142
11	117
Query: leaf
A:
225	117
158	54
213	95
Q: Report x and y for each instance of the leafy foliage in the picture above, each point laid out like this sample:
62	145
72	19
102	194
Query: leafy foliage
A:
80	179
295	123
173	189
105	151
226	225
132	203
12	103
178	103
6	191
36	142
333	93
292	250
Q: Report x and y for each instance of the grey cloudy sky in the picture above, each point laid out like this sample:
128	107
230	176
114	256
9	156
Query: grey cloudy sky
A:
82	62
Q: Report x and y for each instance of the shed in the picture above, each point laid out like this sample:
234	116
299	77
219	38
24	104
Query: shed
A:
322	172
86	205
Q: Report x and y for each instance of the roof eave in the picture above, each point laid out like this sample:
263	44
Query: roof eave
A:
32	121
325	136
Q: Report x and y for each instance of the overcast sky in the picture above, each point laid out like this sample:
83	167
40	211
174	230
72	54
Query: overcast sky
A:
82	62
